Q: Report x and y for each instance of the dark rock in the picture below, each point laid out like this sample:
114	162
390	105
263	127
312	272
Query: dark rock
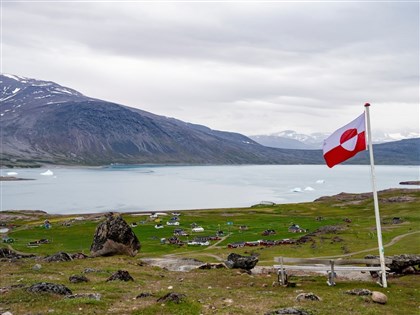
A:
307	296
212	266
399	263
336	239
61	256
79	256
409	271
289	311
359	292
144	295
172	297
78	278
122	275
45	287
241	262
11	254
114	236
92	296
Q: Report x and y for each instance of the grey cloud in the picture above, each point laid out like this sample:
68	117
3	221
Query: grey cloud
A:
247	60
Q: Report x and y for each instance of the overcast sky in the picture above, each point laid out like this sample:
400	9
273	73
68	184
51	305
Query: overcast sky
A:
253	68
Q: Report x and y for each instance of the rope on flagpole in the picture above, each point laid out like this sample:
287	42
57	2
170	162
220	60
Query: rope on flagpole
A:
375	200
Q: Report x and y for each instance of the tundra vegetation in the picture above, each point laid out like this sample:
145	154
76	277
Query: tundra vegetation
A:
350	232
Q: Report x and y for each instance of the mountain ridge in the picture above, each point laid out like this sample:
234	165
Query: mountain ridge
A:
44	122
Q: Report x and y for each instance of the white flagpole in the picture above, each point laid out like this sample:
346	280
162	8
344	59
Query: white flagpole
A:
375	200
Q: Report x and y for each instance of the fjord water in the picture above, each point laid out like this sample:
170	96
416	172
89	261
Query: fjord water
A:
155	188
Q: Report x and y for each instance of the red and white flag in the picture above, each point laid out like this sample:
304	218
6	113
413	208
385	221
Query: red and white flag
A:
346	142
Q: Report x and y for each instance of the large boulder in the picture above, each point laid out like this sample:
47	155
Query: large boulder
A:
46	287
241	262
114	236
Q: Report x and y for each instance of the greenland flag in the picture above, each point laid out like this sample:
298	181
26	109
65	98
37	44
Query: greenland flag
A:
345	142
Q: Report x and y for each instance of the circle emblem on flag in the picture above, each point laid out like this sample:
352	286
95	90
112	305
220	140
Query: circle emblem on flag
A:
348	139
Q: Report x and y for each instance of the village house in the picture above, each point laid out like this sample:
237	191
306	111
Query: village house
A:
294	228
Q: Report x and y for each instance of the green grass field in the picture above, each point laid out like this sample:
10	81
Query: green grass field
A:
218	291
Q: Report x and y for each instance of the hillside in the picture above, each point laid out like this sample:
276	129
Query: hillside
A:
43	122
342	226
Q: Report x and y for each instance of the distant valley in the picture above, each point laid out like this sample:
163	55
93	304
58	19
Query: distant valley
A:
44	122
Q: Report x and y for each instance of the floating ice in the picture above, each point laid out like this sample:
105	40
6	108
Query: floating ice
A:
297	189
11	173
320	181
309	188
47	173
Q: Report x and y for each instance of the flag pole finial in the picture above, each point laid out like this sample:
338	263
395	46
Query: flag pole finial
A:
367	104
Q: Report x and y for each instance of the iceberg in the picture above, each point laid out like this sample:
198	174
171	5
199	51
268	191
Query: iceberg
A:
297	189
320	181
309	188
47	173
11	173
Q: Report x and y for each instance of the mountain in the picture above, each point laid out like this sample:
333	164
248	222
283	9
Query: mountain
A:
44	122
289	139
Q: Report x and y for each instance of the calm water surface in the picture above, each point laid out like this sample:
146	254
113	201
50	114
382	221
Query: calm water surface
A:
153	188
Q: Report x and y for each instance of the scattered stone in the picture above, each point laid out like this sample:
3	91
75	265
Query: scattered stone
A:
7	313
336	239
212	266
144	295
114	236
379	297
359	292
45	287
36	267
170	287
308	296
400	262
61	256
78	279
79	256
122	275
409	270
172	297
242	262
11	254
92	296
288	311
90	270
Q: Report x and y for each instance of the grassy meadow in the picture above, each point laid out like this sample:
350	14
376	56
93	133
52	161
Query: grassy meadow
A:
220	291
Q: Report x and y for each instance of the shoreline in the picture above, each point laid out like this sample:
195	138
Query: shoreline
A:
13	178
169	211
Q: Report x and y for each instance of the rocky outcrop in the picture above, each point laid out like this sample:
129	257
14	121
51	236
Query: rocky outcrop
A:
359	292
288	311
172	297
45	287
61	256
78	279
114	236
402	264
241	262
307	297
8	254
121	275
